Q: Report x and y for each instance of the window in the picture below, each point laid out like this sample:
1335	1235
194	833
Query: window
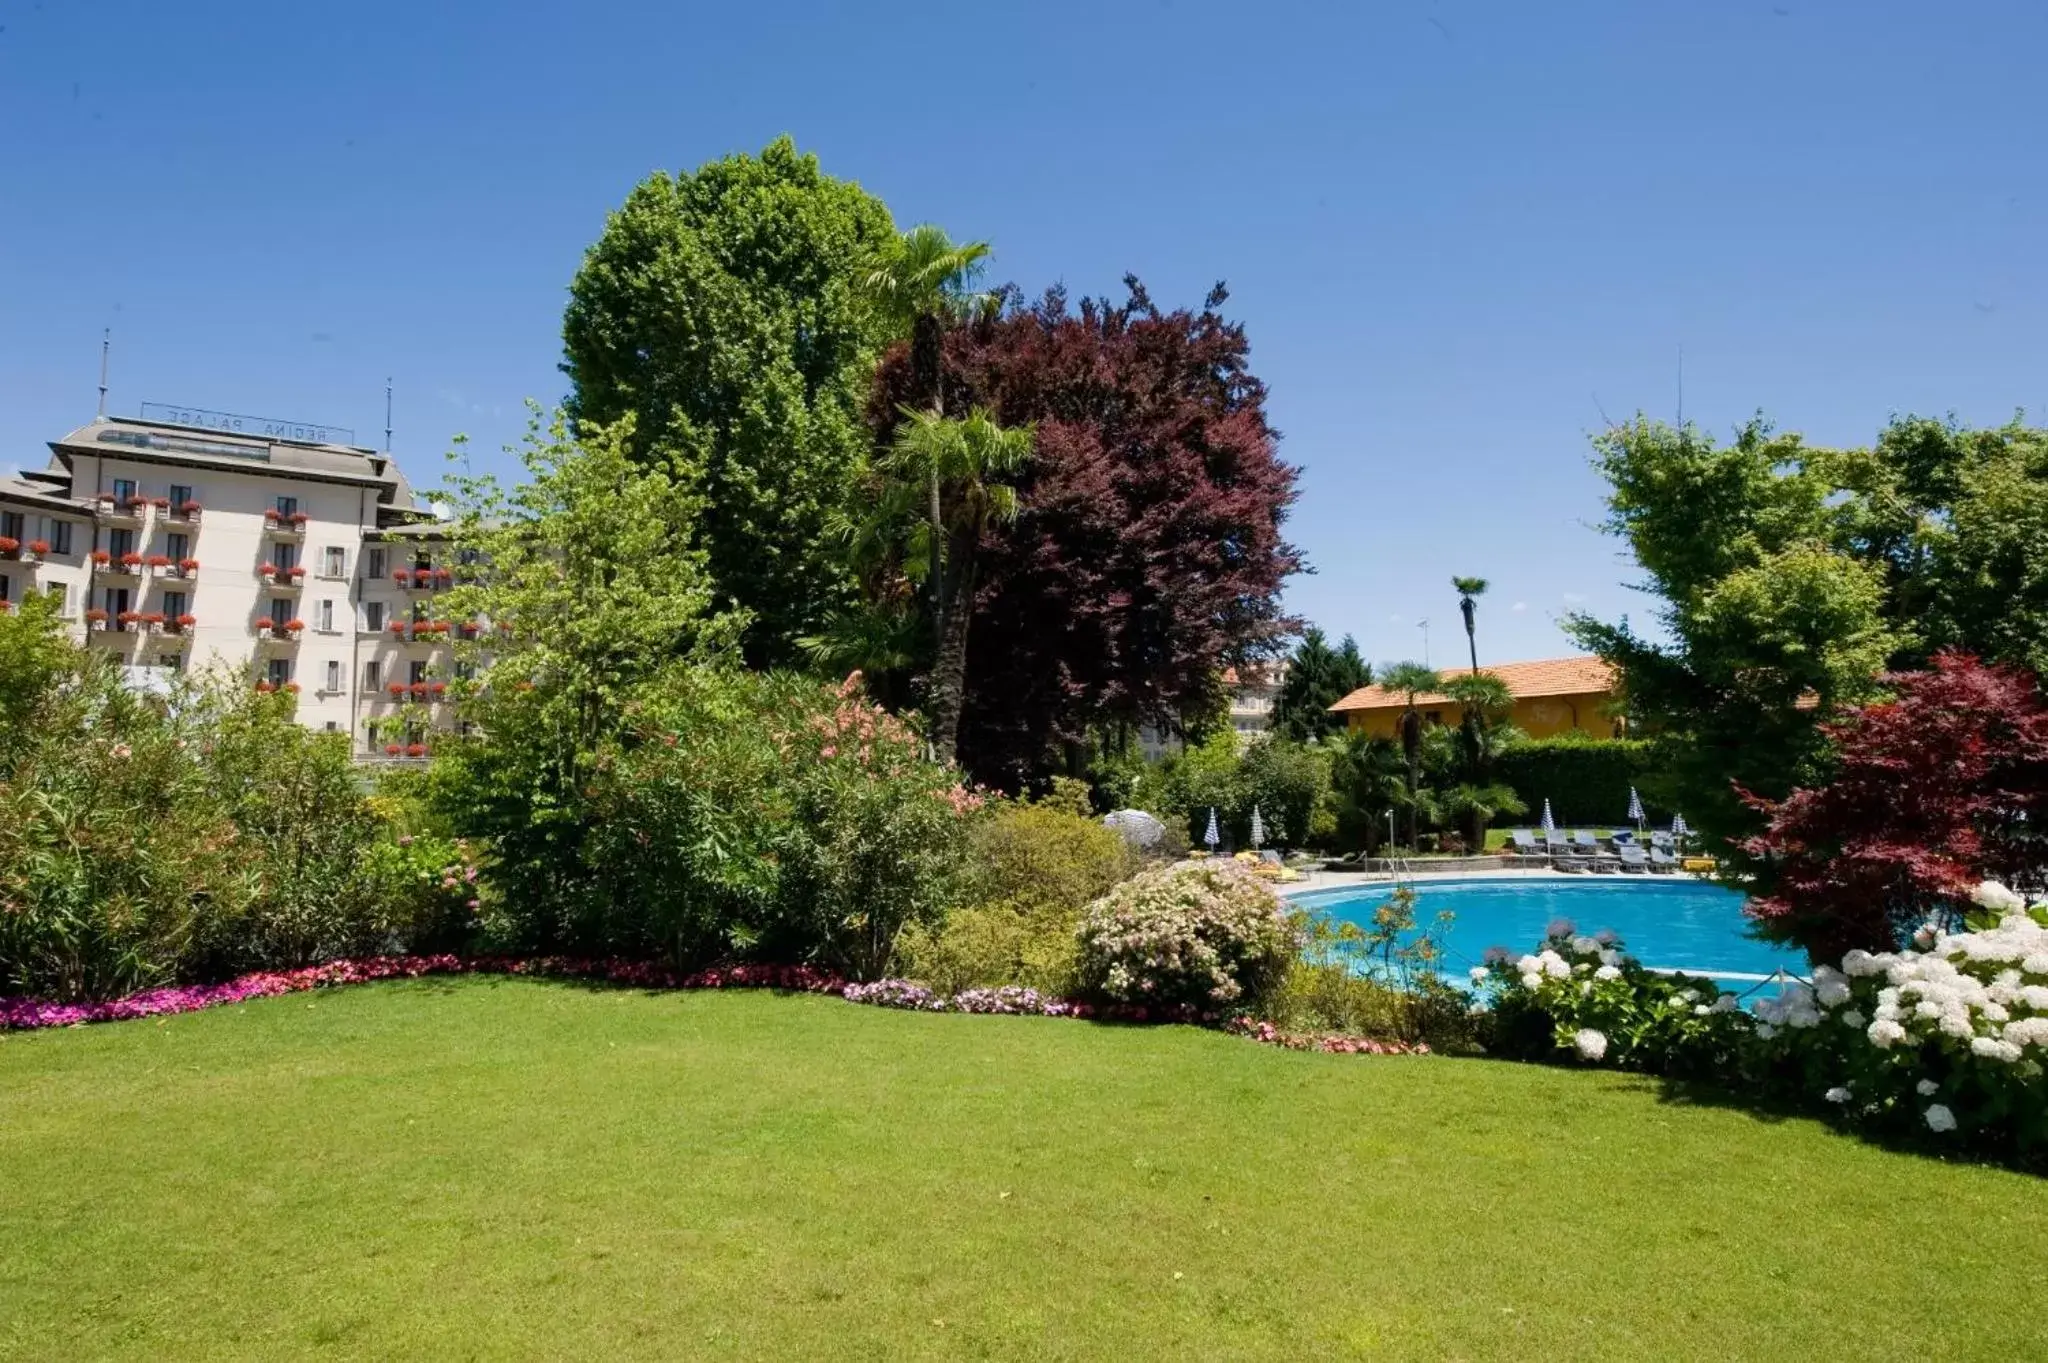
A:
330	726
419	671
60	536
177	548
116	603
13	526
181	493
373	675
373	563
6	587
373	618
419	611
327	621
280	671
465	671
120	542
422	560
124	488
284	556
174	605
59	595
333	677
280	609
334	561
170	661
287	506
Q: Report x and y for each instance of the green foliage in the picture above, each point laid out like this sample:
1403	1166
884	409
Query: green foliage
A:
1201	935
1377	980
1368	780
728	310
1789	578
1287	782
595	596
995	945
1029	858
148	840
1585	779
1318	677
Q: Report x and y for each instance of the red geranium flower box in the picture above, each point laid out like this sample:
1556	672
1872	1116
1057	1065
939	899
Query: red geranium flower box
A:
100	558
39	547
188	565
416	750
157	561
8	544
393	749
131	559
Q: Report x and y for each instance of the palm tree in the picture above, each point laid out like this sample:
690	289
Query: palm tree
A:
920	287
1469	588
965	462
1411	680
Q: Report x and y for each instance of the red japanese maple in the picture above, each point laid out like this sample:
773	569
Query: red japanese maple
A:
1932	791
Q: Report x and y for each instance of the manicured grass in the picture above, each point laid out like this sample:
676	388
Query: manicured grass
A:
498	1168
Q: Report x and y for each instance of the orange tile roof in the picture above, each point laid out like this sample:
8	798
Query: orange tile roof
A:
1583	676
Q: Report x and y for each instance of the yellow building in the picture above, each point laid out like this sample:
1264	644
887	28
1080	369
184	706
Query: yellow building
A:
1552	696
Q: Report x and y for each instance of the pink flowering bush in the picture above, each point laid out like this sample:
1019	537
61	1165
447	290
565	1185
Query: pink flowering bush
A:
1204	935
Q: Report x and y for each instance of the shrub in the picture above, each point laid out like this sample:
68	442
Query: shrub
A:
1375	980
1033	858
1202	935
1579	996
1945	1041
1585	779
995	946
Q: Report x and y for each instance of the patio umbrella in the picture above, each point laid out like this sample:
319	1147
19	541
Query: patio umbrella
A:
1678	828
1212	837
1549	825
1258	829
1635	806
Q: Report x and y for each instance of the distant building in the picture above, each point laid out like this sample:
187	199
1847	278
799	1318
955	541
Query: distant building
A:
1552	696
1253	691
305	563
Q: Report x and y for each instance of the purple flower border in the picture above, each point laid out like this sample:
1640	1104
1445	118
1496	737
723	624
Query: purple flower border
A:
19	1014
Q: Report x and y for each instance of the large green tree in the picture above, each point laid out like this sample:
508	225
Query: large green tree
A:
1410	680
1318	676
728	310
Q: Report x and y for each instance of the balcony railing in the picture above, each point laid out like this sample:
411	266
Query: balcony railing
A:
282	579
285	526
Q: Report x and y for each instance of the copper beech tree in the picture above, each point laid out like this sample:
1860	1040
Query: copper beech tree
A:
1934	790
1146	554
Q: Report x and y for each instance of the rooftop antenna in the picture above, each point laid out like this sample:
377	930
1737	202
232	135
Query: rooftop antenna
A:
387	414
1423	625
106	345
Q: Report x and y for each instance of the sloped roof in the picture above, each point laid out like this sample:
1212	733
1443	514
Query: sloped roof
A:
1581	676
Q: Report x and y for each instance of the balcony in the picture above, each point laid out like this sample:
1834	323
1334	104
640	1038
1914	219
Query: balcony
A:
281	526
269	631
126	511
184	569
178	633
126	568
186	513
282	579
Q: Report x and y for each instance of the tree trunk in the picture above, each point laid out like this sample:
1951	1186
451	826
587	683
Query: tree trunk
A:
1411	748
949	672
1471	635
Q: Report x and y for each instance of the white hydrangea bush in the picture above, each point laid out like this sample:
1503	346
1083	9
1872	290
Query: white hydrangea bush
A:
1946	1039
1201	936
1583	996
1949	1035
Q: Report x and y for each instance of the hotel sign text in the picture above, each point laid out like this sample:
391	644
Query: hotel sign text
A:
262	427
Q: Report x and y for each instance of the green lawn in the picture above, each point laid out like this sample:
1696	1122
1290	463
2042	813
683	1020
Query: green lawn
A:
515	1169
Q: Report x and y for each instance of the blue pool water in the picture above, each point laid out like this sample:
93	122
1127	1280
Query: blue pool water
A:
1676	922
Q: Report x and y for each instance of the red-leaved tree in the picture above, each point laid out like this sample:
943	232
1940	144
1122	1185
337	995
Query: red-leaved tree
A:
1934	790
1147	551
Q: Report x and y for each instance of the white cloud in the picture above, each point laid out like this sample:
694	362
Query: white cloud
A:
1573	598
1519	606
1394	619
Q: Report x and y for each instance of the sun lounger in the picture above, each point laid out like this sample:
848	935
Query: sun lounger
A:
1662	861
1588	845
1634	859
1524	844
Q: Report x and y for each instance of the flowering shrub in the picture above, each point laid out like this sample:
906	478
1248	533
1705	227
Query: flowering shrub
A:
1948	1038
1583	996
1201	934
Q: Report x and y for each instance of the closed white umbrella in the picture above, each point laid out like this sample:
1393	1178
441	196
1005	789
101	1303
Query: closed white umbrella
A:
1258	829
1549	825
1635	806
1678	828
1212	837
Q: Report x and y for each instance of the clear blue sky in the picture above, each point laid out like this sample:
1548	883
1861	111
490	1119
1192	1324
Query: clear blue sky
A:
1451	228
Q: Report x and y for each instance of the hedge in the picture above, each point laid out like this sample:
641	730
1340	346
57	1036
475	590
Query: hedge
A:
1586	780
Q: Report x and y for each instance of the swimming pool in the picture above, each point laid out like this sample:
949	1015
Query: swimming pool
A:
1671	921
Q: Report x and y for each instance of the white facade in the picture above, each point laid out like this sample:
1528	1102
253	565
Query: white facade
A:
184	548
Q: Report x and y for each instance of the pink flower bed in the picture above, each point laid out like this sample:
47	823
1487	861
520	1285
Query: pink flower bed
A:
23	1014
